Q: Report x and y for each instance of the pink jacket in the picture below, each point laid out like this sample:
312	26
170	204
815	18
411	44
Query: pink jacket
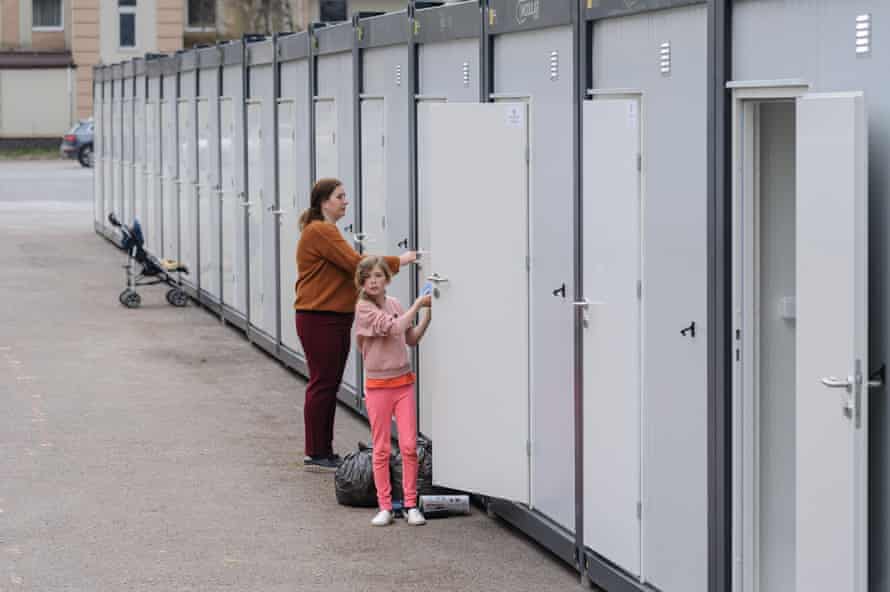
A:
380	333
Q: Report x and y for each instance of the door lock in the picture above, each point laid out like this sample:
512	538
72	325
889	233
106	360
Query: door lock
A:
403	244
348	228
561	291
690	330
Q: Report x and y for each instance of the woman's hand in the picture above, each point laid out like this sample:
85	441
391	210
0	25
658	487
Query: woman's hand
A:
407	258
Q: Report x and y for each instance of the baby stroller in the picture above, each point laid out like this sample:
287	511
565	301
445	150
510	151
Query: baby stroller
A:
154	271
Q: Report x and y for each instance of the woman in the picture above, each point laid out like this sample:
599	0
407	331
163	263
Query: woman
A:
325	308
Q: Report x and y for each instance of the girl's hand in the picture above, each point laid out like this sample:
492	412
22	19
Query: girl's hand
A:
407	257
424	301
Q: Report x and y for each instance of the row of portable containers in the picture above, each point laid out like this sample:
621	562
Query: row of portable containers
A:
580	177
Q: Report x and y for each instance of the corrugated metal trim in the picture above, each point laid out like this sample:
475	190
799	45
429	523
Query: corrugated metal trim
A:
29	60
293	47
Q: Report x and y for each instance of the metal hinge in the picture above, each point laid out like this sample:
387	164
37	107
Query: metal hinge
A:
528	154
528	263
639	289
528	448
639	162
333	137
639	510
383	140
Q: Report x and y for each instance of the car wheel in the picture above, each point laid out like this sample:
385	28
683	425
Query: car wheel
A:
85	156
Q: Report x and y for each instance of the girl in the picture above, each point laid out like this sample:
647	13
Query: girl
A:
383	330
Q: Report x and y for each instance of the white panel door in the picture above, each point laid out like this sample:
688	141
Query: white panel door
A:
107	160
325	138
256	209
152	224
479	385
373	234
139	161
170	198
127	159
424	234
232	212
208	263
98	164
118	201
613	332
832	341
289	220
188	206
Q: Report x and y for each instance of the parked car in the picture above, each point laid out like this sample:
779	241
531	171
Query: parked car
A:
78	143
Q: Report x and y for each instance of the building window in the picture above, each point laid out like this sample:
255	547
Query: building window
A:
332	11
46	14
202	14
127	14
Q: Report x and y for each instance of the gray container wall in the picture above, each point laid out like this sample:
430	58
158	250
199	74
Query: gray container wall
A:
522	69
126	166
139	149
814	41
98	147
108	148
234	237
674	226
209	199
447	71
385	73
295	183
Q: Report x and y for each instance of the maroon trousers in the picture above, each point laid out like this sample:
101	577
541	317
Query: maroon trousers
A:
326	339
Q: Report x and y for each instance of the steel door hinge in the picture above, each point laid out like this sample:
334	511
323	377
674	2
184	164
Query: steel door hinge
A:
639	289
639	162
528	154
528	263
528	448
639	510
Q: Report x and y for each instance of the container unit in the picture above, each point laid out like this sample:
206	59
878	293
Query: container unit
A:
126	166
170	184
232	164
295	178
154	183
335	146
262	202
98	150
809	141
209	189
187	182
140	135
644	283
446	43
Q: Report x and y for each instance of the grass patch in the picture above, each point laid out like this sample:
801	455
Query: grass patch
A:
29	154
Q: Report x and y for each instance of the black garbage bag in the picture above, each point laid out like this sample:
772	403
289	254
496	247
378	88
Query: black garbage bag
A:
424	470
354	479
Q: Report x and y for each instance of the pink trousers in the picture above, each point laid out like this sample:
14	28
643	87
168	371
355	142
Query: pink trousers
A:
382	404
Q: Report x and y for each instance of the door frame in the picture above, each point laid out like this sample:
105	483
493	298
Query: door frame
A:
744	451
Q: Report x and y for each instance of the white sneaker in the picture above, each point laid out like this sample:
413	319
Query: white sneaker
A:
383	518
415	518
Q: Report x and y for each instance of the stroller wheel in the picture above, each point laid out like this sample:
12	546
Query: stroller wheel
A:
130	299
177	297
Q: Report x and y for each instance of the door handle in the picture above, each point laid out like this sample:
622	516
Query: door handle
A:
438	279
359	237
834	382
403	243
561	291
246	204
277	212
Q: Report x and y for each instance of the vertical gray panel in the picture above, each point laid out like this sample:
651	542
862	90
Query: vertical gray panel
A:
294	79
814	41
107	151
209	183
188	198
154	223
170	156
523	67
139	144
674	124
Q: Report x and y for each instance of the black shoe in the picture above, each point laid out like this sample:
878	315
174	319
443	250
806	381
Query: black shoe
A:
336	458
320	464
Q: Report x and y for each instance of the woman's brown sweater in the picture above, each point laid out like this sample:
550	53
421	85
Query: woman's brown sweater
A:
326	266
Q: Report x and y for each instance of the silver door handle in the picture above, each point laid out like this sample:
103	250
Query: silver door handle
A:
277	212
583	303
246	204
834	382
360	237
438	279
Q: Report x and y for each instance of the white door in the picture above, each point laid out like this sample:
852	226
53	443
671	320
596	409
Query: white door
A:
613	332
152	224
424	232
126	132
325	138
373	234
478	383
289	219
832	341
170	188
139	162
232	212
187	203
256	209
209	265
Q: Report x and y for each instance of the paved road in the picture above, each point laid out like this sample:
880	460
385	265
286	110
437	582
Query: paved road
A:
155	449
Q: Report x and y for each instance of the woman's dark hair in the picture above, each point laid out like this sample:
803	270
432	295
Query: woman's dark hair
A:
321	193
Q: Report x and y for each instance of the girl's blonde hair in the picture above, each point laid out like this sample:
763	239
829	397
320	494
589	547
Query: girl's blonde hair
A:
364	269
